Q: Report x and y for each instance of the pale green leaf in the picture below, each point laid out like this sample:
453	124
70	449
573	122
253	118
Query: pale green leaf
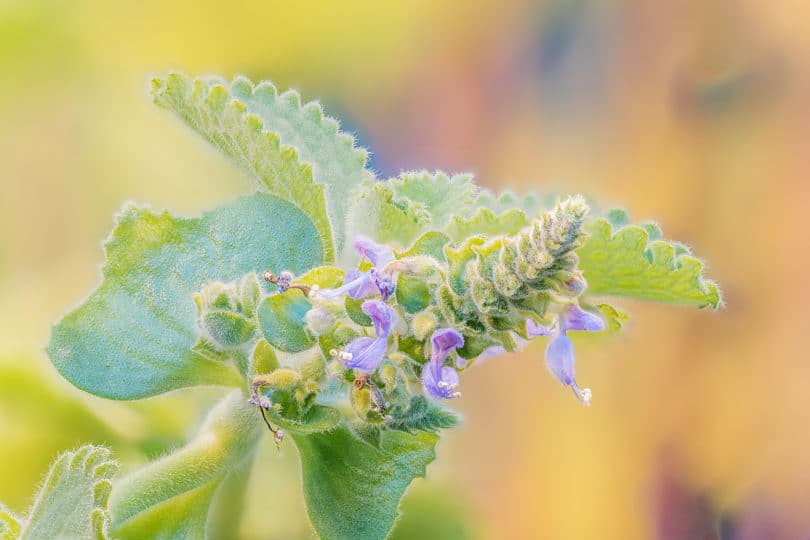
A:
132	337
442	196
170	497
377	213
529	203
10	525
398	210
614	317
294	151
431	243
624	262
73	500
485	222
353	489
281	319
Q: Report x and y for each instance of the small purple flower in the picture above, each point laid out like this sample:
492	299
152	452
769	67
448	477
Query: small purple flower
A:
560	350
575	318
365	353
441	381
359	284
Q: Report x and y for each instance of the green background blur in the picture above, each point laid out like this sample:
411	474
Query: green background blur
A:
693	113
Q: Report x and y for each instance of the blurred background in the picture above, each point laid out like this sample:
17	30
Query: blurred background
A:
695	114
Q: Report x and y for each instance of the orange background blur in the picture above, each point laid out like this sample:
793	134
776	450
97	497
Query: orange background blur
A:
694	113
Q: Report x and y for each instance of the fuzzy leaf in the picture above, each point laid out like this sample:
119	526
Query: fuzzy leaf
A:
377	213
170	497
281	318
442	196
529	203
294	151
353	489
431	243
10	525
317	419
485	222
132	337
72	502
400	209
421	415
624	262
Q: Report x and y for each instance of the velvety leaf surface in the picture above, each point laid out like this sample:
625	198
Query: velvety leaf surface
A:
294	150
73	500
622	261
353	489
281	318
132	337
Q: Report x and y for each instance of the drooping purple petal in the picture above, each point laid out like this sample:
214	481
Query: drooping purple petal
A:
442	342
443	387
560	359
534	329
560	362
366	353
378	254
574	318
441	381
382	316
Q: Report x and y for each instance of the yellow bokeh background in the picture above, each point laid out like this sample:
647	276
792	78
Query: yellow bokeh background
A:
695	114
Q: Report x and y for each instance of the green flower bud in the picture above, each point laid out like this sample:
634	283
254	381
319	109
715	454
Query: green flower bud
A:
281	379
423	325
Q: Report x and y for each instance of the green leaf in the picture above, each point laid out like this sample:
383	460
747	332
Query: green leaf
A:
132	337
421	415
73	500
614	316
442	196
227	328
294	151
170	497
352	489
412	293
624	262
10	525
431	243
530	203
485	222
377	213
281	318
400	209
354	309
317	419
325	277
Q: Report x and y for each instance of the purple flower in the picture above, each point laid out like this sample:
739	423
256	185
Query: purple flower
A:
560	350
365	353
359	284
441	381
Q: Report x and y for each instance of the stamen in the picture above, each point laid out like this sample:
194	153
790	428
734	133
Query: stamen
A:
584	395
455	395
